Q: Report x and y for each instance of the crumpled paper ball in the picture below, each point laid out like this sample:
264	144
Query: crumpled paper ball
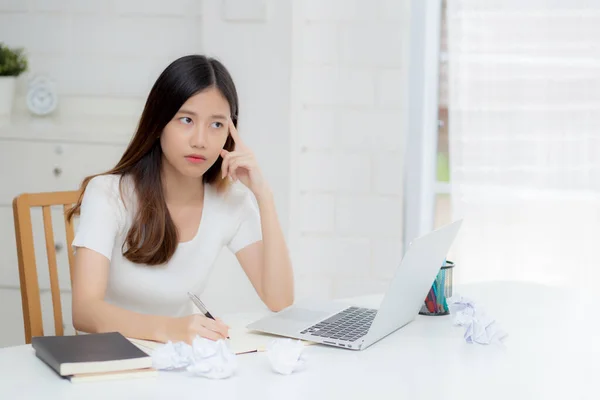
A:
172	356
479	327
205	357
286	355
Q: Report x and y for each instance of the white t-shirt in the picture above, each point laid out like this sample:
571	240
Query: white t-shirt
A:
229	219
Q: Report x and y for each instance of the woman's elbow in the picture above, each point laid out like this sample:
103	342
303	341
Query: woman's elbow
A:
79	323
277	305
83	321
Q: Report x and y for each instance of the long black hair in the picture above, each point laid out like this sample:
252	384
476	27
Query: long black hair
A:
152	238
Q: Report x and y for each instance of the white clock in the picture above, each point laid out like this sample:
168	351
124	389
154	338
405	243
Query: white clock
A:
42	98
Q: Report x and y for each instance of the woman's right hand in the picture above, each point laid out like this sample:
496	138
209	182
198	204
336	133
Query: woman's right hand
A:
185	329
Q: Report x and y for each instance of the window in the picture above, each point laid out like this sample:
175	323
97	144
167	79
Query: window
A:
443	205
424	193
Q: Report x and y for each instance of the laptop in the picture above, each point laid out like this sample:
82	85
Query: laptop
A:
354	327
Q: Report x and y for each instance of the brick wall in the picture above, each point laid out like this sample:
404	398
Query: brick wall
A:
347	215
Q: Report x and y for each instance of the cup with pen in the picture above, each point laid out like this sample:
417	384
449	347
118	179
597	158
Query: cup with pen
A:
441	289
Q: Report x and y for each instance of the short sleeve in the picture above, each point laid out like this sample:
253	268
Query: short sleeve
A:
99	216
248	229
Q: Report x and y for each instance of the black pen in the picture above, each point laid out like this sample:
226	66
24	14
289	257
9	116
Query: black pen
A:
201	306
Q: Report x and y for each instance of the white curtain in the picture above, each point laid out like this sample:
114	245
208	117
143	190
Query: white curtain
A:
524	126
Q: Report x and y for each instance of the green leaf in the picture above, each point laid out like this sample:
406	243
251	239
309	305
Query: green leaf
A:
13	62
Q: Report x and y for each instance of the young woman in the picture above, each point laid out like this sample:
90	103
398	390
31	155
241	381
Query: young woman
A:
151	228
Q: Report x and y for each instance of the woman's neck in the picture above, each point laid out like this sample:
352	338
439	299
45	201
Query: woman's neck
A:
179	189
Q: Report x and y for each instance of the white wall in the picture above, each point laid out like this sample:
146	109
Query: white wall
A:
349	72
320	83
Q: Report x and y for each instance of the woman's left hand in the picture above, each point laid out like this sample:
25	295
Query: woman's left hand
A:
241	164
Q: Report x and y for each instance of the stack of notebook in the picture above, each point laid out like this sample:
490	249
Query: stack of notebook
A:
93	356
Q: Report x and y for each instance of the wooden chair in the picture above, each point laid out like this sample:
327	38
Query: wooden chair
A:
28	276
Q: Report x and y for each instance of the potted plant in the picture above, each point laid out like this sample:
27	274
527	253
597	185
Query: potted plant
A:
12	64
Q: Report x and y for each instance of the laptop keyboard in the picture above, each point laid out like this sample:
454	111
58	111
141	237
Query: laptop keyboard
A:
350	324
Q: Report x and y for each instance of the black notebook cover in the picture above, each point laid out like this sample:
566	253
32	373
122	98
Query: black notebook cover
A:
89	353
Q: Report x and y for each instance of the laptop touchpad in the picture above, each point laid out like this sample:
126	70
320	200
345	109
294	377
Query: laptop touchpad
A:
303	315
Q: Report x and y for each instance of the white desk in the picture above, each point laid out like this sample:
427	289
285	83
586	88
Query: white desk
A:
552	351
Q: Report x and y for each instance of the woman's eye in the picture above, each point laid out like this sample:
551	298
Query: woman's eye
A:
217	125
186	120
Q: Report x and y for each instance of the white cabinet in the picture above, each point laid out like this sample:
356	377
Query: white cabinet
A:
13	332
45	167
44	157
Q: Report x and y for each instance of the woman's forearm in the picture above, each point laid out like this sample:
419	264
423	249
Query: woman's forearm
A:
99	316
277	277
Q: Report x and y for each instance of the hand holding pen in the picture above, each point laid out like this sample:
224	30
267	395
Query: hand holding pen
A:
196	300
185	329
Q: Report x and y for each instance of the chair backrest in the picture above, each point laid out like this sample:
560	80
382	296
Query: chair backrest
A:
28	276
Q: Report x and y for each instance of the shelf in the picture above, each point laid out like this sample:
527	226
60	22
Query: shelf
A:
109	131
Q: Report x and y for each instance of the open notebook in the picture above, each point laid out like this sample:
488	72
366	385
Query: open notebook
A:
241	341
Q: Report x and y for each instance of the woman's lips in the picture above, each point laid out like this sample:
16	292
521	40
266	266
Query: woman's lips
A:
195	159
